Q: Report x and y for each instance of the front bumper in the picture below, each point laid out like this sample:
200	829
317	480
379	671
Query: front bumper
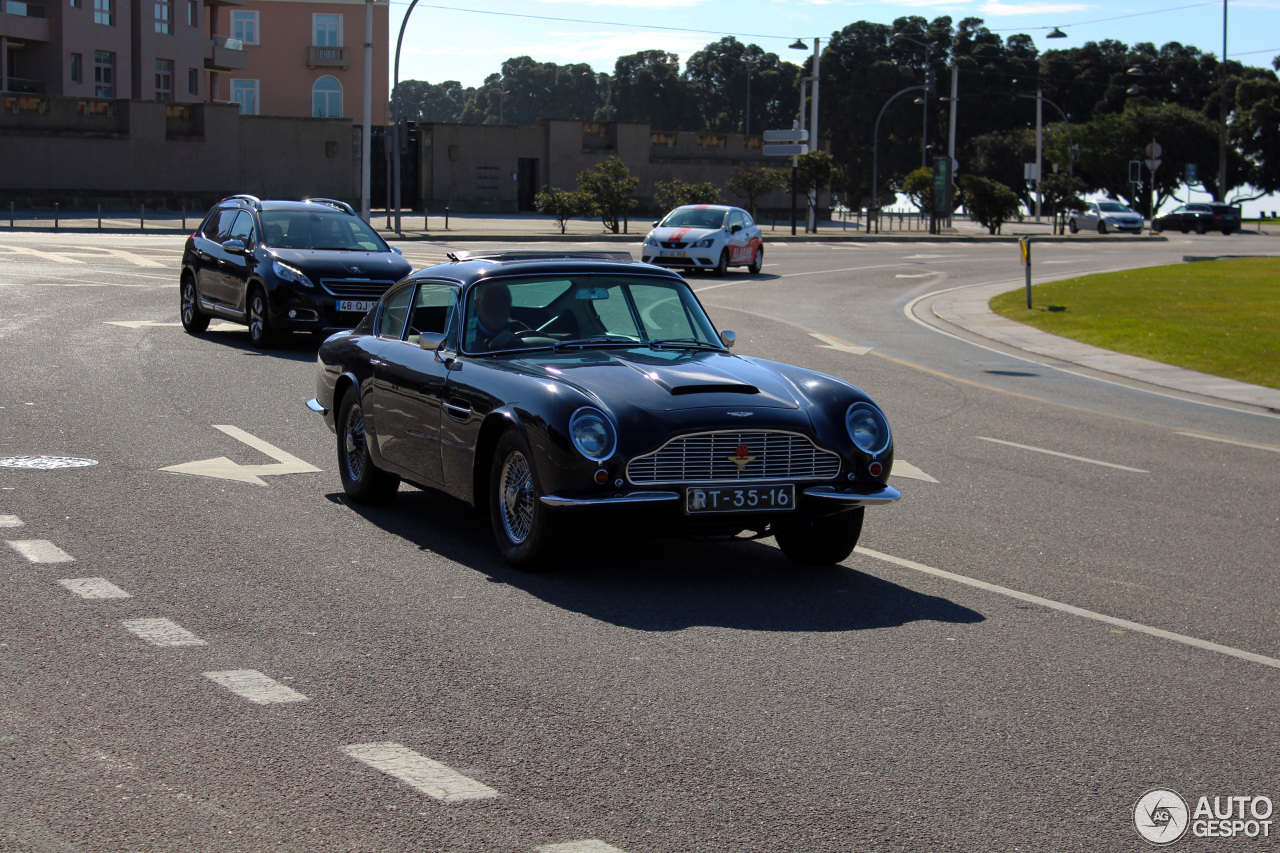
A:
820	499
301	309
688	258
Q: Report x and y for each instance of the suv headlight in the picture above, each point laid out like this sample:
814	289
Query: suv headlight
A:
288	273
593	434
868	428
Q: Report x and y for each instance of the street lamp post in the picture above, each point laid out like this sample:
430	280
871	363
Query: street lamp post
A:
924	98
395	117
812	219
875	151
752	64
1222	112
366	130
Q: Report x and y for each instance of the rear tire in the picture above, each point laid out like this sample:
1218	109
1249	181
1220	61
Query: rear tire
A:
524	528
364	482
821	541
261	334
757	262
194	321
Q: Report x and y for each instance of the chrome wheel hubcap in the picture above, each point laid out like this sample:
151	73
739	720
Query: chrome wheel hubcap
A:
354	444
516	508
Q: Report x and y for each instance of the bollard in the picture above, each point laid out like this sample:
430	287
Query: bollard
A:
10	216
55	216
426	218
142	217
446	217
184	217
99	217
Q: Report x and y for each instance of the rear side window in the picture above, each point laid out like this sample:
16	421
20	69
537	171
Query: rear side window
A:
218	225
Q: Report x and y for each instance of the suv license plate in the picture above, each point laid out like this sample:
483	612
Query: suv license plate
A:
364	306
698	500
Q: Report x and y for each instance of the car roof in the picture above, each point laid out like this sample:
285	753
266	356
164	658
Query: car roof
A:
465	268
312	204
725	207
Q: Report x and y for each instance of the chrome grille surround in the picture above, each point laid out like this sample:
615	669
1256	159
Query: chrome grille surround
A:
355	288
706	457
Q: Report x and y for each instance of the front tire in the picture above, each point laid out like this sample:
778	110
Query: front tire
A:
1102	228
364	482
1201	227
1072	226
822	541
194	321
261	333
757	262
524	529
723	265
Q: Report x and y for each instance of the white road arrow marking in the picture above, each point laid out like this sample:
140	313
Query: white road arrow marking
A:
138	324
829	342
906	469
916	275
224	468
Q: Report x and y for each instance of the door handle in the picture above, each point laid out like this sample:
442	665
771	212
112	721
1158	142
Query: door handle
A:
456	410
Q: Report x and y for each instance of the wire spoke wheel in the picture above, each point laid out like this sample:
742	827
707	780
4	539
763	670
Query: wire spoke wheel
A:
354	443
516	498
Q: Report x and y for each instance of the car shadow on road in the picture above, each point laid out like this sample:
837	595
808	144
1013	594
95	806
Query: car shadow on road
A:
289	346
661	584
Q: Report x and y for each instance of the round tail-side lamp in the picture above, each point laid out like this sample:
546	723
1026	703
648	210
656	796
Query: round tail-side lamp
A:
602	476
875	469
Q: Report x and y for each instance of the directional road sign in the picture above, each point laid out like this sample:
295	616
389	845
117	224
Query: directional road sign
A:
786	136
794	149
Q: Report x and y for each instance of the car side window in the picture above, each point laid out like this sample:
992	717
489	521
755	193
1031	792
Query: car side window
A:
735	218
241	229
747	221
395	309
219	225
433	310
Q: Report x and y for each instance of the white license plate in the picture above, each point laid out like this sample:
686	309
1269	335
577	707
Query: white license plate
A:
739	498
361	305
672	253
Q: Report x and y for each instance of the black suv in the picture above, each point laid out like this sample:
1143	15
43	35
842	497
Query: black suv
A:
285	266
1200	217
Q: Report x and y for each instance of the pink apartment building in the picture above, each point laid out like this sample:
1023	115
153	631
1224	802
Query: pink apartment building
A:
305	58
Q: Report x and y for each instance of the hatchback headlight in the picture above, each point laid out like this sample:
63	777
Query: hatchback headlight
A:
705	243
593	434
288	273
651	240
868	428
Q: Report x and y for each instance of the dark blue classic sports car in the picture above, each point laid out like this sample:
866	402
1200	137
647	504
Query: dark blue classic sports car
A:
539	387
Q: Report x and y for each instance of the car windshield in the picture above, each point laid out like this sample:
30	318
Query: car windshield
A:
569	311
692	217
305	229
1113	207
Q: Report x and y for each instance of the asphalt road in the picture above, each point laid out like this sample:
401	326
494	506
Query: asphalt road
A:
1074	603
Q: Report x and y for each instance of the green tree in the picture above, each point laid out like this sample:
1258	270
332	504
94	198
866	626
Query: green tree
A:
671	193
918	186
432	102
991	203
607	188
647	87
1062	193
756	183
561	204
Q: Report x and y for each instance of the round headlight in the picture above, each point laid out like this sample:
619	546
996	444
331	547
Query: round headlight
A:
868	428
592	434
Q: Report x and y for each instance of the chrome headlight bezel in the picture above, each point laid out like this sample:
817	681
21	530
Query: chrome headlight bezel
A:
284	272
593	433
868	428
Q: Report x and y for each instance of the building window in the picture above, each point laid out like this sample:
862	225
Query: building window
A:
163	14
244	26
245	93
193	81
193	13
104	74
103	13
326	98
76	60
164	79
326	30
75	4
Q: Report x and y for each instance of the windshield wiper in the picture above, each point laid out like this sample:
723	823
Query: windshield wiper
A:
598	340
681	343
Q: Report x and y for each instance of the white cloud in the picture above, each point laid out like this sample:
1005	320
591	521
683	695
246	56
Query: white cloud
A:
995	7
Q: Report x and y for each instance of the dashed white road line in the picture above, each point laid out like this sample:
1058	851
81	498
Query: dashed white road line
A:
94	588
430	777
1073	610
1063	455
588	845
10	521
256	687
40	551
830	342
1271	447
162	632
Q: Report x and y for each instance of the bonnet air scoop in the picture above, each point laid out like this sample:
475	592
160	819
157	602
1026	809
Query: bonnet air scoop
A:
723	388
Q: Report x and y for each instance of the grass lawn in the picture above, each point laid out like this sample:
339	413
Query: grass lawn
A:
1218	317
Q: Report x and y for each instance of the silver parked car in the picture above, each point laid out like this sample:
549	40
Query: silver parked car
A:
1106	216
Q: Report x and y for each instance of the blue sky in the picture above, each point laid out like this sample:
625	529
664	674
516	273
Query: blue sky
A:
444	41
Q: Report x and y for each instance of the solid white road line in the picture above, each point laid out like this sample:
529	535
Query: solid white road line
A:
162	632
1075	611
1063	455
256	687
1236	442
94	588
10	521
588	845
40	551
430	777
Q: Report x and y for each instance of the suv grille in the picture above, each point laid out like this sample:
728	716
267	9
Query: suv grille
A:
708	457
355	288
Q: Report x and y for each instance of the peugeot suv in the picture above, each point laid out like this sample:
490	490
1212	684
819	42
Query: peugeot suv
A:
280	266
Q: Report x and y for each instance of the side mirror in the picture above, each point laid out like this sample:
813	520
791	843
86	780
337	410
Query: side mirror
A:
655	223
396	249
727	338
734	229
234	247
431	341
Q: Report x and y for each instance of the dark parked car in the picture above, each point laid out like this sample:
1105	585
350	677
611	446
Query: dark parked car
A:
1199	217
539	387
277	266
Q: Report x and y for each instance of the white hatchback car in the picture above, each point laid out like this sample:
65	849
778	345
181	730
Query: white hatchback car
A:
1106	215
710	237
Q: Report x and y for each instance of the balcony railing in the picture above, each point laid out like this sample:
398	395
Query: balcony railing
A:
229	43
226	54
22	8
321	56
19	86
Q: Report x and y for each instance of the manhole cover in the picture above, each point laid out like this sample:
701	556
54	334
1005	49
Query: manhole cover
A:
45	463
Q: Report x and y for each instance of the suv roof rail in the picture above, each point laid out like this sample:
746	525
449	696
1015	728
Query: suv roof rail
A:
333	202
252	199
539	255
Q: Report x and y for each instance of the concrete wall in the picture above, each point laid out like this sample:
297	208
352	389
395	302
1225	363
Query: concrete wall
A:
81	151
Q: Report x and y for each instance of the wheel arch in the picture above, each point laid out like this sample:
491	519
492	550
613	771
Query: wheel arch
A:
495	424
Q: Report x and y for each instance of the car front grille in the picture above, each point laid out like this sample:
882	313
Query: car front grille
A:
670	245
712	457
355	288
